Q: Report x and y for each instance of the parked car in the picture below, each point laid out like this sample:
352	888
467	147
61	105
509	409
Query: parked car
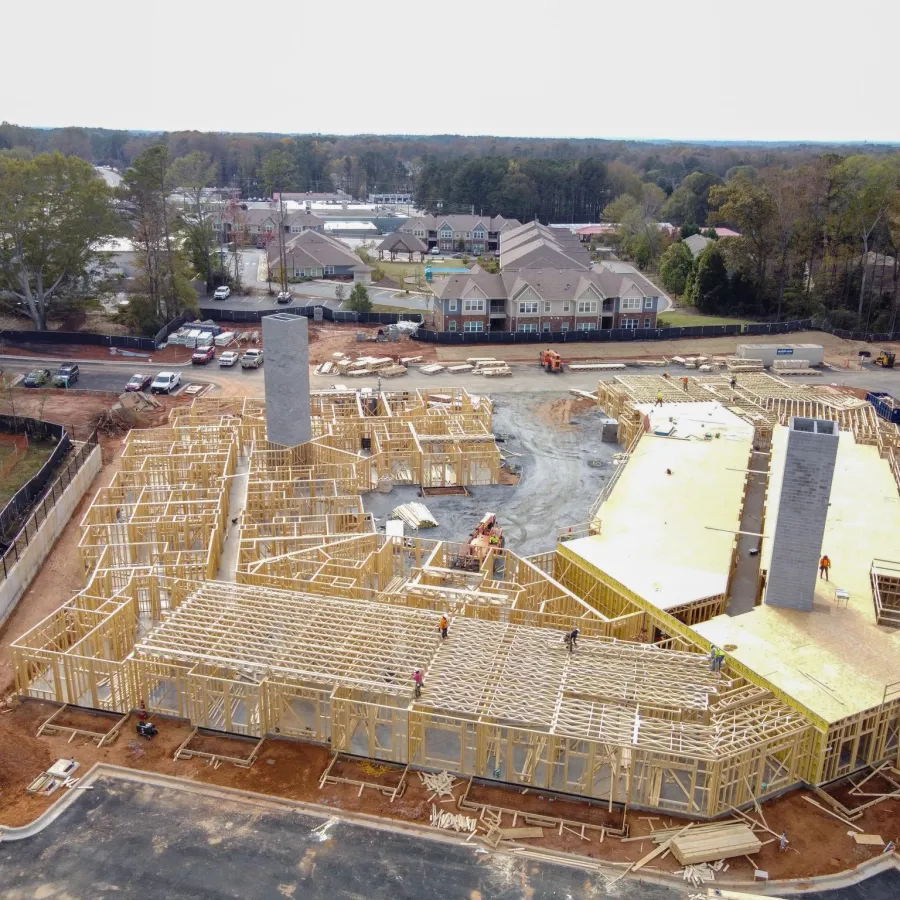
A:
284	297
165	382
228	358
36	378
66	375
435	251
202	355
222	293
138	382
252	359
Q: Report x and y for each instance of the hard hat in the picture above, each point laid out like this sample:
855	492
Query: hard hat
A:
417	671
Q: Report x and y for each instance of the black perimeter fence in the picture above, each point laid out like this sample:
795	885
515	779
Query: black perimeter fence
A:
26	511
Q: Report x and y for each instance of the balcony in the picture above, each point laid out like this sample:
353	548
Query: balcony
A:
498	310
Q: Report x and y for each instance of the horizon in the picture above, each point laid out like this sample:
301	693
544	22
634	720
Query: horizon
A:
709	75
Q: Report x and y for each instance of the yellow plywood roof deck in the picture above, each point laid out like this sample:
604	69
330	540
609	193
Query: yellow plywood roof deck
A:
657	536
835	660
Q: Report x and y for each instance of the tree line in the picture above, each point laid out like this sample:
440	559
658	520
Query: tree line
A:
819	239
819	228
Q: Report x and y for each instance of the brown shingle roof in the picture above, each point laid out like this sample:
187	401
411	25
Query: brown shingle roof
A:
407	243
313	249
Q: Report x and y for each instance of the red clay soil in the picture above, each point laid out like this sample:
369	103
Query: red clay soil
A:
292	769
172	354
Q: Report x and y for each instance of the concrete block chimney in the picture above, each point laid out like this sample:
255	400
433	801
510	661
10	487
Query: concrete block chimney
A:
802	509
286	368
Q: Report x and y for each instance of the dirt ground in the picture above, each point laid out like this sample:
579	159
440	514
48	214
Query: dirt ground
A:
327	339
837	352
292	769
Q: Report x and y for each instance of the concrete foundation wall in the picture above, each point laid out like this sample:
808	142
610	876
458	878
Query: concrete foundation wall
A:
802	510
21	574
286	368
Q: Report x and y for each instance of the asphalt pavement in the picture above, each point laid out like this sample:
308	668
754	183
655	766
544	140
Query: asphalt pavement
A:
113	374
317	293
133	841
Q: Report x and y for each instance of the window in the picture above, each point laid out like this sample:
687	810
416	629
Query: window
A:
567	307
587	307
649	302
473	326
297	229
585	326
468	234
528	326
471	306
646	323
452	306
546	326
629	323
329	270
634	303
299	273
451	325
528	309
446	233
254	228
564	326
478	235
546	306
268	228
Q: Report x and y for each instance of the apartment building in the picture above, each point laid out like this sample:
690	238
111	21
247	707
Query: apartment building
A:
314	255
546	284
472	234
258	221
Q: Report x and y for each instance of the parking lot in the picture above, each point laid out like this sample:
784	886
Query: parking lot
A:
317	293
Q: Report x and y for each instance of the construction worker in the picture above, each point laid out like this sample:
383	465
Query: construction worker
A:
720	660
733	382
571	639
783	841
659	399
419	679
716	658
824	566
444	626
666	375
684	382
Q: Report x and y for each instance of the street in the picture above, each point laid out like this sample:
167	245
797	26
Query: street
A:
102	375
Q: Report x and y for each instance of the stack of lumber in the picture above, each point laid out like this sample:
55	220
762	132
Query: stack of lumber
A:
416	515
409	360
592	366
702	873
737	364
499	370
325	368
482	360
490	366
442	819
441	784
462	367
707	844
432	369
648	362
392	371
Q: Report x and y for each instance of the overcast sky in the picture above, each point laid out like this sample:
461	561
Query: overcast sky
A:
764	70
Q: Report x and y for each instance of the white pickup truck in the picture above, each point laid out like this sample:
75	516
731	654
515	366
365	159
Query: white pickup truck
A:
252	359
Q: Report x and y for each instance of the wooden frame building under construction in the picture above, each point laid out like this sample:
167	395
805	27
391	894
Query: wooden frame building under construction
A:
300	620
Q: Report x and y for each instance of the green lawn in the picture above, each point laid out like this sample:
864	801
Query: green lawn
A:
680	317
26	466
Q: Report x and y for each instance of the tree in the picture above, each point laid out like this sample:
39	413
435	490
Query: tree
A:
54	211
710	287
748	205
164	282
190	176
674	267
619	208
689	202
340	292
870	186
359	299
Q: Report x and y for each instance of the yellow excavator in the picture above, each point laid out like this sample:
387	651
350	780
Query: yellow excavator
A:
886	359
